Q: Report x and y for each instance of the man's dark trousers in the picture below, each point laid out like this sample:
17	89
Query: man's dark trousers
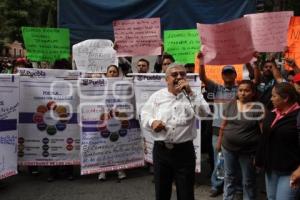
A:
174	164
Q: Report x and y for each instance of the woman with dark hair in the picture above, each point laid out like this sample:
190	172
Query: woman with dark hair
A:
238	136
279	149
112	71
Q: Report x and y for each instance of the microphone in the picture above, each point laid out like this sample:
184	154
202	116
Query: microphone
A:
183	90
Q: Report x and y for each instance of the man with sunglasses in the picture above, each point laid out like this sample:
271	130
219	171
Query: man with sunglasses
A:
170	115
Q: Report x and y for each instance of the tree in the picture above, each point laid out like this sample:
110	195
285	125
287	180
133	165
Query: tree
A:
18	13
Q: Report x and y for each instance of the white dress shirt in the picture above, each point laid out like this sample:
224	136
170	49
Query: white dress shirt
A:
176	112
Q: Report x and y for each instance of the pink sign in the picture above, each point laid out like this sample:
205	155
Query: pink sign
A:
136	37
269	30
226	43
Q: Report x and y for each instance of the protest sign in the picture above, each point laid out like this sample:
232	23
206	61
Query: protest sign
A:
110	135
94	55
293	40
269	30
182	44
235	41
144	86
137	37
46	44
9	106
49	132
226	43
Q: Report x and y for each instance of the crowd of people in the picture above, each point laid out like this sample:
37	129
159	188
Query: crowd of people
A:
253	123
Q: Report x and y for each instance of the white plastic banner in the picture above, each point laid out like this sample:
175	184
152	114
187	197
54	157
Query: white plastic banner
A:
9	105
110	135
49	132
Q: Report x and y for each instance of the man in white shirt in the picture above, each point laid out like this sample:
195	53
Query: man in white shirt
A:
170	115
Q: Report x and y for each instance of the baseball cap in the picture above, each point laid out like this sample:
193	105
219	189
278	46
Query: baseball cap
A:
21	60
296	78
228	68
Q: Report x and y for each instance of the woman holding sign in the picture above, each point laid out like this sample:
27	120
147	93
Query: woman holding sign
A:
112	71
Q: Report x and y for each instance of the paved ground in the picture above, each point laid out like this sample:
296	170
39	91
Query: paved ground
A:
138	186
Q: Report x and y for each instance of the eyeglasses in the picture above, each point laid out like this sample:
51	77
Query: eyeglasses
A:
175	74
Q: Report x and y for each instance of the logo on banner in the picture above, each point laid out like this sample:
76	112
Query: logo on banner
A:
99	82
33	74
113	124
140	78
51	118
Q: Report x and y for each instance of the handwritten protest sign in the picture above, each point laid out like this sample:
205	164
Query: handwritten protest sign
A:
145	86
182	44
269	30
94	55
136	37
235	41
49	132
9	107
226	43
110	134
46	44
293	40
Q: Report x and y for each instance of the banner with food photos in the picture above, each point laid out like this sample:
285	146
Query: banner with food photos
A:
9	105
48	125
110	135
145	85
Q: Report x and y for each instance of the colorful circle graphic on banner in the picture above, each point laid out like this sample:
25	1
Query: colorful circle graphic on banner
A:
51	118
113	125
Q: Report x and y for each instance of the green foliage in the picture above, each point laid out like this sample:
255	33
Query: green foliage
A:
18	13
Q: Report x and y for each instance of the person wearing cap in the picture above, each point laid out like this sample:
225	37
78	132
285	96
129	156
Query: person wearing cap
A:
20	63
219	94
170	115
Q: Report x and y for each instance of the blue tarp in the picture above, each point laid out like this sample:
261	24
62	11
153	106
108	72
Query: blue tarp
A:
88	19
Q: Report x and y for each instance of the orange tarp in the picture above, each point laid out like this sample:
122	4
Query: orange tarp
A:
214	72
293	40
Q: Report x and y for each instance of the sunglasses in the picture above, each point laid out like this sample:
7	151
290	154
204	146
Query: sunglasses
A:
181	73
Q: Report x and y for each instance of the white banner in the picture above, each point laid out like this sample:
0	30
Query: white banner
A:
94	55
49	132
110	135
9	105
145	86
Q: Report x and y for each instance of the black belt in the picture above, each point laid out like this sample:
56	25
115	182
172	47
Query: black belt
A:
173	145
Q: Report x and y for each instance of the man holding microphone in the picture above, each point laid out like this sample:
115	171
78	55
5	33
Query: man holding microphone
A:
170	114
